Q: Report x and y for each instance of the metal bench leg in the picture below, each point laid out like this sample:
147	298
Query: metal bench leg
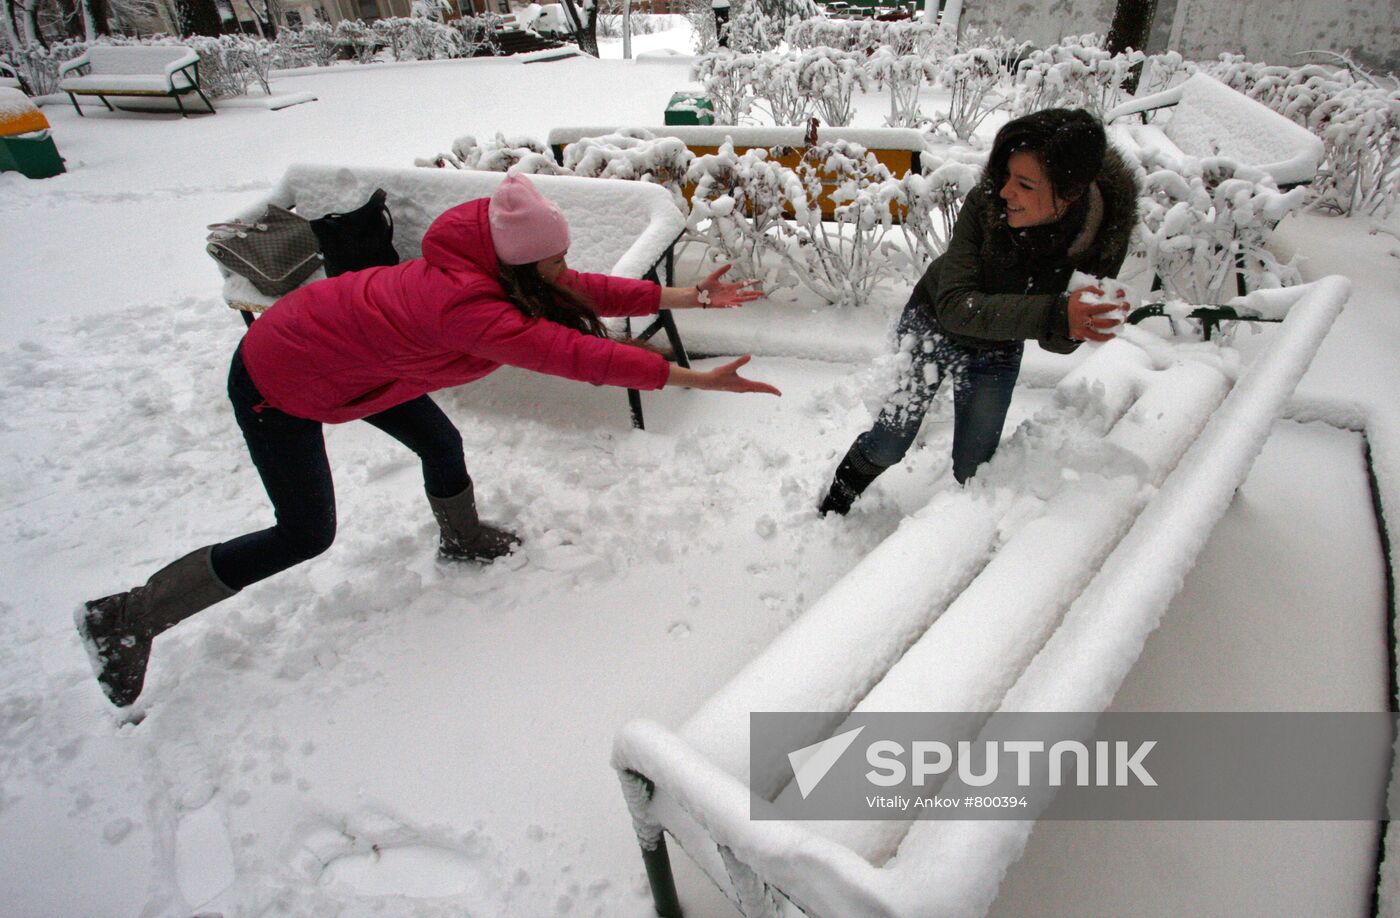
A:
668	322
180	104
661	880
76	107
106	103
634	401
206	100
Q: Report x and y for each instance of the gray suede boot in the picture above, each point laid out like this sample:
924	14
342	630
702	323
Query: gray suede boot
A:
464	537
117	630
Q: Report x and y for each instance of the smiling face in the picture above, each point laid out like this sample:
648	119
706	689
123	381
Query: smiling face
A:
1030	198
550	268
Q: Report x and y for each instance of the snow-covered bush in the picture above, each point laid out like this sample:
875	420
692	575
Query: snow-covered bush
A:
479	33
759	25
776	89
975	80
1357	117
840	259
729	80
903	75
358	38
868	35
635	155
1076	74
738	207
418	38
1209	224
928	204
499	154
828	80
322	42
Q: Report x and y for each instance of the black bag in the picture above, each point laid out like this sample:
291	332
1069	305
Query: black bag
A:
361	238
276	252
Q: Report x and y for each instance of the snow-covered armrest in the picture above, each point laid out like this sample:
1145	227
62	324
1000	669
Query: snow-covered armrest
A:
77	63
1156	100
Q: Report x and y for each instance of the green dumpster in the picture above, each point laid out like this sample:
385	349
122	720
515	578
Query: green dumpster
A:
34	155
690	108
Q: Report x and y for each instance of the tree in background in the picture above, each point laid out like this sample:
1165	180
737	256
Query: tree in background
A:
1131	21
585	27
199	17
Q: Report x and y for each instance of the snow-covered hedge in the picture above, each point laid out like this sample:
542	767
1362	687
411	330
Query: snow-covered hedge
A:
1075	74
1355	114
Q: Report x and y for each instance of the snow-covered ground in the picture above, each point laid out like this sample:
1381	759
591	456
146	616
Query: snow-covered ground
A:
375	733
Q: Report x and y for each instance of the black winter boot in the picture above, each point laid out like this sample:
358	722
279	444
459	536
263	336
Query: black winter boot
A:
117	630
464	536
853	476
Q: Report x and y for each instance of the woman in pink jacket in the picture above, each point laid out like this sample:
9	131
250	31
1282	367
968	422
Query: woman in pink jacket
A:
492	288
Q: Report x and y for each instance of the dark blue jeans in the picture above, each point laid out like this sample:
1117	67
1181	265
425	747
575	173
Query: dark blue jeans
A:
290	456
982	384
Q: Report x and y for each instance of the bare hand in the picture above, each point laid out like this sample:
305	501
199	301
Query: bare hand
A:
720	379
711	294
1091	321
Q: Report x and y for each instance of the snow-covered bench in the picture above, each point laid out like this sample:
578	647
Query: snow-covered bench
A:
10	78
1211	119
144	70
622	228
898	149
1033	590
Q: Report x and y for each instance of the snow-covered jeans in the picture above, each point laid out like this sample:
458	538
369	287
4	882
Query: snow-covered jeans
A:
290	456
982	384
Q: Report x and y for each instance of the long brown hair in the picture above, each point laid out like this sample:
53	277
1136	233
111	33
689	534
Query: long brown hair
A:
542	299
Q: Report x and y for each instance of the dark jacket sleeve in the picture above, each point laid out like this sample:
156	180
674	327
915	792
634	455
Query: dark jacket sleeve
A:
952	288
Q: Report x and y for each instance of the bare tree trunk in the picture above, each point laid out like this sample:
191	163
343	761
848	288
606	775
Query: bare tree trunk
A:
199	17
10	25
32	32
585	31
1131	21
95	18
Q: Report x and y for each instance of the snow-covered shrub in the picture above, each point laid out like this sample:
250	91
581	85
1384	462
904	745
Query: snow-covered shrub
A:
975	80
729	80
479	33
737	210
868	35
829	79
903	75
842	259
419	39
759	25
1209	224
359	38
322	42
776	89
635	155
1357	117
229	64
40	65
929	203
499	154
1076	74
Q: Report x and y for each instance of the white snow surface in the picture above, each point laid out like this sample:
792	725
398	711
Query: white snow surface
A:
371	732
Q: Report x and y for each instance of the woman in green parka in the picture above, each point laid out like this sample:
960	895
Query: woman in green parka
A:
1054	198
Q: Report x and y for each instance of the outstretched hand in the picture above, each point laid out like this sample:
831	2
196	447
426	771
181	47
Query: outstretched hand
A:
1091	321
711	293
721	379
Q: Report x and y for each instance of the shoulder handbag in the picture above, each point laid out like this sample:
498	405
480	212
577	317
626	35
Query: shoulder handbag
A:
358	239
276	252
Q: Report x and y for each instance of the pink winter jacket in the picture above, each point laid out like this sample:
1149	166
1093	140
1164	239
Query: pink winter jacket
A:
357	344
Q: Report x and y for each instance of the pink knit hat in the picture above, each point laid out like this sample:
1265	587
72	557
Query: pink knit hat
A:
525	226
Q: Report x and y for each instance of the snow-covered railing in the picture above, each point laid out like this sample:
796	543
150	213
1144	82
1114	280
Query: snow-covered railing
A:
1050	572
1210	119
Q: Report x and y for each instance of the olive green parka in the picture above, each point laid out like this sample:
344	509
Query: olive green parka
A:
996	285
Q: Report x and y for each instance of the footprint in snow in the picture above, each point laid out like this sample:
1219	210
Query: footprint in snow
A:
203	856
